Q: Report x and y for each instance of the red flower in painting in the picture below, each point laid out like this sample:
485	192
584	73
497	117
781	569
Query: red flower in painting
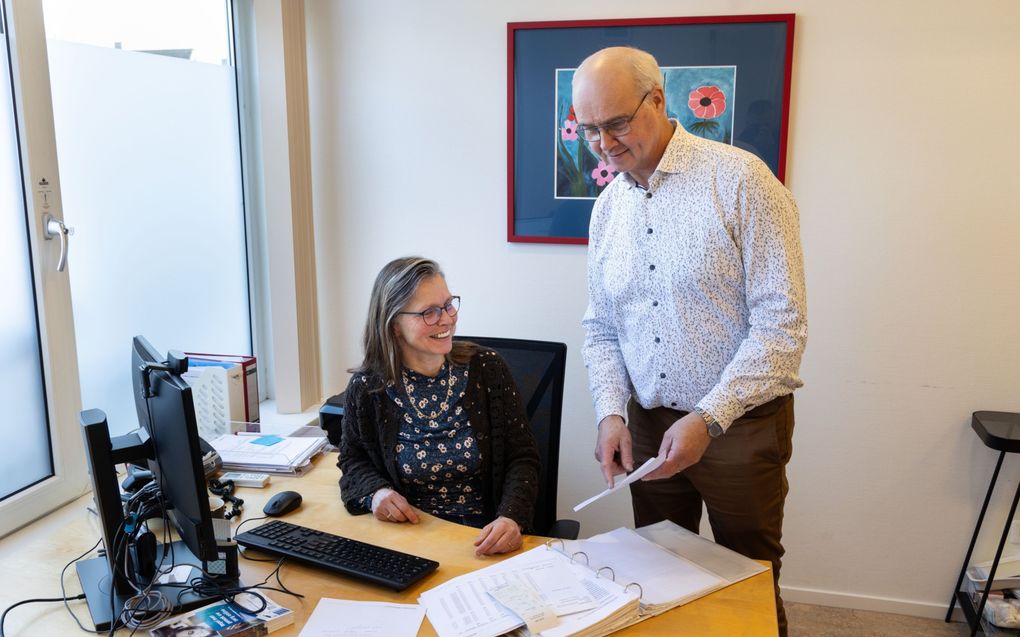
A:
571	115
707	102
569	131
602	174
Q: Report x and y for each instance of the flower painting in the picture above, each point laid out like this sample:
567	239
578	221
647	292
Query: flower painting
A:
553	178
701	98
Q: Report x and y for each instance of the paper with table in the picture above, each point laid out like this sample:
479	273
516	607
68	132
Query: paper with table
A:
462	607
593	587
347	618
267	453
649	466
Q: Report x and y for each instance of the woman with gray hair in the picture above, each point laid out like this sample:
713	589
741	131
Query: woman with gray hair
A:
432	424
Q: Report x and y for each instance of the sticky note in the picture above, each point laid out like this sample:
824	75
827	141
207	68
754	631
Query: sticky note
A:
268	441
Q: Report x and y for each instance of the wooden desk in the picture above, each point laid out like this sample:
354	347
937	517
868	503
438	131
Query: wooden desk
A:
30	563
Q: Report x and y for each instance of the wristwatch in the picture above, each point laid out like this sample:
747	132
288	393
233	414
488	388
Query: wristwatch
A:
714	428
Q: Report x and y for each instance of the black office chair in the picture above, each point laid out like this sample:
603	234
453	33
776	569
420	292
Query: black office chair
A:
538	368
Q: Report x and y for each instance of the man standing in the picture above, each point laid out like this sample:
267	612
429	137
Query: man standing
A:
696	320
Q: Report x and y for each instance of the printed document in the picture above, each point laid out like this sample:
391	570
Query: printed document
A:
464	606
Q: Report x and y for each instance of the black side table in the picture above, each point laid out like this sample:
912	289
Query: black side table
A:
999	430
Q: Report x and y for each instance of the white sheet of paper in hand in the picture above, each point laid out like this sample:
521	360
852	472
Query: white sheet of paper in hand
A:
651	465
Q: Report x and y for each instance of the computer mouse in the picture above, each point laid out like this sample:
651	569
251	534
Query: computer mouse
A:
282	503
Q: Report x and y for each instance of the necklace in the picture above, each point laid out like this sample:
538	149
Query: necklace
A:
445	405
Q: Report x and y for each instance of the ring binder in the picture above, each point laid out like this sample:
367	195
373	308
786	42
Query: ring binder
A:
549	542
631	557
612	573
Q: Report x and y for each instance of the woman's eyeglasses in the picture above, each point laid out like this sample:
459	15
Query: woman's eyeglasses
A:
432	315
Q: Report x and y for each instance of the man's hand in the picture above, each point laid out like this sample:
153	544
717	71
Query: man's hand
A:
683	444
390	506
499	536
613	448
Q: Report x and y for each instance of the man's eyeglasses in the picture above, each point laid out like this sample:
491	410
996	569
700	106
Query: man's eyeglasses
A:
432	315
615	127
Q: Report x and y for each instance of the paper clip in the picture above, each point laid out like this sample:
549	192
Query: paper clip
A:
579	553
612	573
549	543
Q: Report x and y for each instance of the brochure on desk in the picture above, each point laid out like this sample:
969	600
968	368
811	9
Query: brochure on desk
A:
267	453
621	577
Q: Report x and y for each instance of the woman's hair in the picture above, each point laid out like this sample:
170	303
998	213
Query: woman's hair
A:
394	287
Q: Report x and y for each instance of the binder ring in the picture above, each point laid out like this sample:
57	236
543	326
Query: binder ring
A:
612	573
579	553
549	543
641	591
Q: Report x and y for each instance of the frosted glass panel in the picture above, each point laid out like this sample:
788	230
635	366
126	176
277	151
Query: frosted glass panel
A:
25	453
150	170
188	29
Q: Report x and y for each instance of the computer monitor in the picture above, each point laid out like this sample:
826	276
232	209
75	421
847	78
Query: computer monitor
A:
168	443
166	411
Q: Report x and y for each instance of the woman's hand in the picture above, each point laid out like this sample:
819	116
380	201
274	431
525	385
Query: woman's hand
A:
390	506
502	535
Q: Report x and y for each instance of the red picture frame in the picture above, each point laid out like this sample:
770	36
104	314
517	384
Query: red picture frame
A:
758	48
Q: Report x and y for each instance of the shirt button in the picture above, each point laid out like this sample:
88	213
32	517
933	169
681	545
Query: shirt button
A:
648	195
662	375
657	339
649	231
655	304
673	404
651	267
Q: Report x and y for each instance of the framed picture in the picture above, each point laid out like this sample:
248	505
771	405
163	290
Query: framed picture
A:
726	78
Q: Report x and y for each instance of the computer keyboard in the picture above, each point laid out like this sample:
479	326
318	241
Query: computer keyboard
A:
375	564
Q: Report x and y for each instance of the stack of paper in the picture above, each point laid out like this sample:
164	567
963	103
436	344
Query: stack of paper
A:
585	588
267	453
571	599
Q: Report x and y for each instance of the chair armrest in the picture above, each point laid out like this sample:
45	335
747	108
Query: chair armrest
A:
564	529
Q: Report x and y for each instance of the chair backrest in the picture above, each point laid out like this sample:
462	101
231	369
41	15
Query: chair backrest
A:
538	368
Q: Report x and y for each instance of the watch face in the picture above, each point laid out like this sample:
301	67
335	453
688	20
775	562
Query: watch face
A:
715	430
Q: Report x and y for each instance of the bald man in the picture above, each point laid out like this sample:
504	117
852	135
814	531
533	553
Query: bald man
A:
696	318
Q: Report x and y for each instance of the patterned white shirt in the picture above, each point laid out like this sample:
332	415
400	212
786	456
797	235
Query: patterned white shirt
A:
695	286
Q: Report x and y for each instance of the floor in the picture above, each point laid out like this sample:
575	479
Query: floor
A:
806	620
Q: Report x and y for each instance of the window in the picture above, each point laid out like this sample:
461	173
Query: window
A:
146	118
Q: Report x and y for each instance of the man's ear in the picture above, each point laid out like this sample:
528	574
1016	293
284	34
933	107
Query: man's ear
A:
658	99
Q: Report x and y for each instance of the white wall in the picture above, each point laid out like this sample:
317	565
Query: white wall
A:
903	158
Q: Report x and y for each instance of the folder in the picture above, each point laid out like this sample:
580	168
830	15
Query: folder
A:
637	574
249	379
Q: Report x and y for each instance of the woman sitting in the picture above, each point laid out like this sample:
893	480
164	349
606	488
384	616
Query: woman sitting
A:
434	424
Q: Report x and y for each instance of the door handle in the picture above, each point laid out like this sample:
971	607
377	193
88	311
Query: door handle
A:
53	227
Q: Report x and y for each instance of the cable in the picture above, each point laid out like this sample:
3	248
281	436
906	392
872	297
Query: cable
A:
63	591
3	617
237	529
64	598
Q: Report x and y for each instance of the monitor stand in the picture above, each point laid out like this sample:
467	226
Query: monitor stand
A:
97	585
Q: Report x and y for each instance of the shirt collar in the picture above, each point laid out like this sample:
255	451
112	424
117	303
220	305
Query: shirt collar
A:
672	160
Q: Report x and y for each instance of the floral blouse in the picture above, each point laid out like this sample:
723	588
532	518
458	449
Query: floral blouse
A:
438	458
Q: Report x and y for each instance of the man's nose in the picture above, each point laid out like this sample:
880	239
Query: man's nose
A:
606	139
